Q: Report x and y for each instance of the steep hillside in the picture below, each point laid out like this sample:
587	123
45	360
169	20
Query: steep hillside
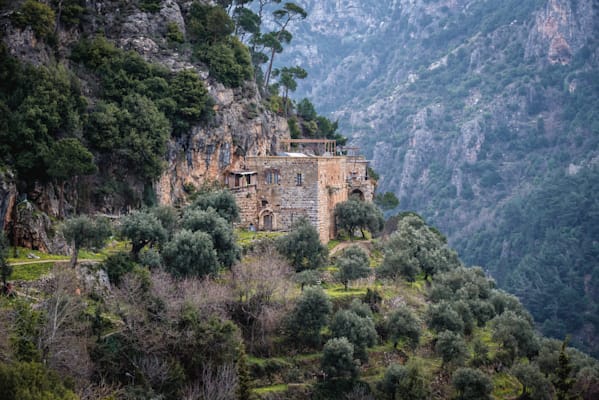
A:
466	108
393	318
110	105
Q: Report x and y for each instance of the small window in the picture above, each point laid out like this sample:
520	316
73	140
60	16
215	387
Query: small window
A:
272	177
298	180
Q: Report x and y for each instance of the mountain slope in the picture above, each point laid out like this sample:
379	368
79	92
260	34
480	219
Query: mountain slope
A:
463	106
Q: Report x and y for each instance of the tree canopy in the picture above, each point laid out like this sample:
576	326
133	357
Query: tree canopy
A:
302	246
355	214
353	264
84	232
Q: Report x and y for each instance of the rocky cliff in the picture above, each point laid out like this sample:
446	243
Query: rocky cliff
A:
240	125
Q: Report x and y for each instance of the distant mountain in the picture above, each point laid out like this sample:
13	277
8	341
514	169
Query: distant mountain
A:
472	111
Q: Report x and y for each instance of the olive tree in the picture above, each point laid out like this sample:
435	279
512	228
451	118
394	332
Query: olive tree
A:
143	228
309	316
360	331
353	264
338	361
405	382
443	316
302	246
220	231
516	335
472	384
415	247
535	385
403	324
222	201
355	214
84	232
451	347
190	254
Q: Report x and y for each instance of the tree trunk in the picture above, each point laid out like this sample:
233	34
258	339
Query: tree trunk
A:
74	257
272	56
61	199
58	15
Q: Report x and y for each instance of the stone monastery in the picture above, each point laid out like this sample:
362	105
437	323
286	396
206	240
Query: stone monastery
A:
274	191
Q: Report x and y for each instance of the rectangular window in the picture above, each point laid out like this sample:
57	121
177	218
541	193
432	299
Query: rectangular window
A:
298	180
272	177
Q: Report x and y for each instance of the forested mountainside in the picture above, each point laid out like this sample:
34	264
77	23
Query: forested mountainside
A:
110	105
482	116
115	119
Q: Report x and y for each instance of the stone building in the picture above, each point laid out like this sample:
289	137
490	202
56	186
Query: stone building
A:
272	192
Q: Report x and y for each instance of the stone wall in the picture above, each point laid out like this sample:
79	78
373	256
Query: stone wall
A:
356	170
280	202
332	190
285	200
247	201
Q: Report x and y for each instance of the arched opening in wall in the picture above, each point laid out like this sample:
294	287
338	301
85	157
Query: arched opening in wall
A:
357	194
267	220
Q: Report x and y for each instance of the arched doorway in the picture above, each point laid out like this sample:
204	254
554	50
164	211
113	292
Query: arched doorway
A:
357	194
267	220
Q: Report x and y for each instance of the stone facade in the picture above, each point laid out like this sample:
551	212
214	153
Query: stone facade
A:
275	191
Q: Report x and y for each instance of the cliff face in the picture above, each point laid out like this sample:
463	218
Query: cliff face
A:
240	125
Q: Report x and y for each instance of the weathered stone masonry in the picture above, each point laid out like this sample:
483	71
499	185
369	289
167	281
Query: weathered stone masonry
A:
273	192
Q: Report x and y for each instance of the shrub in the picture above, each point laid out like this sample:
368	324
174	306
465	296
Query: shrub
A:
309	316
190	254
32	381
117	265
338	360
173	33
472	384
39	16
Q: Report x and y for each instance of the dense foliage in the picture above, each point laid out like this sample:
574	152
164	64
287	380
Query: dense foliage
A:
468	113
180	321
543	250
302	246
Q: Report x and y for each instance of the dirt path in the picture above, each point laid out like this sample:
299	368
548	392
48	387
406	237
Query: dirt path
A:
87	260
367	246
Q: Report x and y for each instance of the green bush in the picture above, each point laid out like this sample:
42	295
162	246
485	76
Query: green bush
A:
117	265
31	381
151	6
39	16
173	33
227	62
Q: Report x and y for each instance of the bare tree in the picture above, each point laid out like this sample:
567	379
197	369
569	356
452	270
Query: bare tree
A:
208	296
62	337
266	274
217	384
100	390
262	285
129	301
359	393
154	369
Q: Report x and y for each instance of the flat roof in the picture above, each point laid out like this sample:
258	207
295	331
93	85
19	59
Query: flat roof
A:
291	154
